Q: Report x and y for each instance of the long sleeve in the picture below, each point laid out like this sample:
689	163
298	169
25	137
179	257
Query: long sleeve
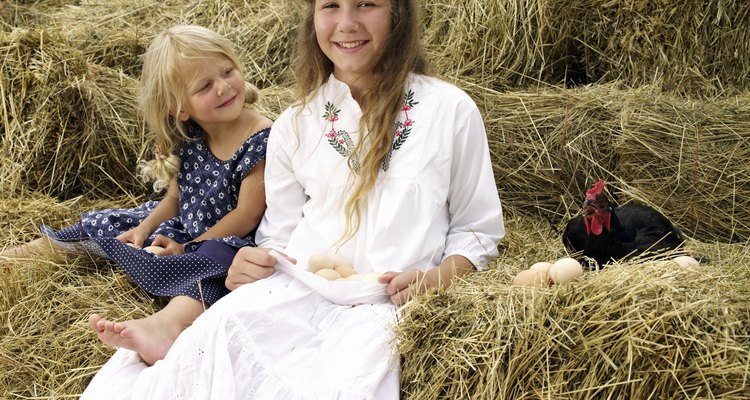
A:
476	218
285	196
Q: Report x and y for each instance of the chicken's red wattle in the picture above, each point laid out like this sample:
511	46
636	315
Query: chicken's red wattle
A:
596	224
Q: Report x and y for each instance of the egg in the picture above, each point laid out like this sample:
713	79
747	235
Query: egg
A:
565	270
339	260
531	277
354	277
154	249
687	262
328	274
344	270
541	266
319	261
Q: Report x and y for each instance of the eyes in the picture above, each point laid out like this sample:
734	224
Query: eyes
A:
334	4
206	84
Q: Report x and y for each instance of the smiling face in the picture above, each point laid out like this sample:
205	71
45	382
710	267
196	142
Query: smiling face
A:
353	34
214	92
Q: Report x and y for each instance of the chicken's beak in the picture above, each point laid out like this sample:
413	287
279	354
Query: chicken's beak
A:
588	208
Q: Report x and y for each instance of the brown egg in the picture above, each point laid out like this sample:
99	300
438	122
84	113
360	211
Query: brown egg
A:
319	261
565	270
541	266
530	277
328	273
344	270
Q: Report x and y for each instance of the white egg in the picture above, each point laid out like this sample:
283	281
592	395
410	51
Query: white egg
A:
155	250
531	277
344	270
328	273
541	266
319	261
565	270
686	262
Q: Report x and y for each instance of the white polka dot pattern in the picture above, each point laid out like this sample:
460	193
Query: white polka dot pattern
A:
209	189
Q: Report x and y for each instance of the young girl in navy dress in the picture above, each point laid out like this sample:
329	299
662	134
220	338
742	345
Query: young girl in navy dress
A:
210	151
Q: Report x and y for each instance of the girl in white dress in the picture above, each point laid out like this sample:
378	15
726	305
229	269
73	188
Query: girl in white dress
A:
377	162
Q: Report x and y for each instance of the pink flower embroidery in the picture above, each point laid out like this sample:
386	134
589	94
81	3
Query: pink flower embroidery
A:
408	122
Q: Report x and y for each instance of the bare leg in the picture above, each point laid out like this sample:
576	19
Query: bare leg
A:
29	249
150	337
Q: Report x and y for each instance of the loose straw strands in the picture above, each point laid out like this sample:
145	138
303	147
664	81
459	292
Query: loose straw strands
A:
642	329
682	156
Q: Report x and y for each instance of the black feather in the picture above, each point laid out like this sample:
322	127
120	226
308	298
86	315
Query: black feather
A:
634	230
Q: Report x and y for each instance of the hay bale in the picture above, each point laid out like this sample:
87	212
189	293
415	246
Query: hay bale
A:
46	347
264	33
642	329
26	13
696	48
690	159
682	156
69	126
499	44
21	216
548	144
114	33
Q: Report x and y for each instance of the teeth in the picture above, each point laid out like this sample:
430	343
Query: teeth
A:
351	45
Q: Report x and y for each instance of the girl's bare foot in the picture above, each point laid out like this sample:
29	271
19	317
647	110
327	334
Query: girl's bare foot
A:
150	337
29	249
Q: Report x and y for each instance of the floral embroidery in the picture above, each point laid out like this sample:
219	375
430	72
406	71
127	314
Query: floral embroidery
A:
343	144
340	141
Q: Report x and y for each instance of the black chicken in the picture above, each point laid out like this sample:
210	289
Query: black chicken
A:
604	233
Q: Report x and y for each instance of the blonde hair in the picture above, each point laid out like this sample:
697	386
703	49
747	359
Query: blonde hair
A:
381	104
162	91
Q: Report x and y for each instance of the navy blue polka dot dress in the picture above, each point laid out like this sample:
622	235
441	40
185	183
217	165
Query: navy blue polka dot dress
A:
209	189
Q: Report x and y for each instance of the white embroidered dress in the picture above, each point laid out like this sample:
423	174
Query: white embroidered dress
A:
276	338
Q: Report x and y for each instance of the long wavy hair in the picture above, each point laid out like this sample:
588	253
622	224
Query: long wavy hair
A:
381	103
166	65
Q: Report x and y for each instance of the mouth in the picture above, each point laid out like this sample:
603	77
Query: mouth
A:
228	102
351	45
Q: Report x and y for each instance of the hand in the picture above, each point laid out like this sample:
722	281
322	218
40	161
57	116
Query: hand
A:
251	264
402	286
169	245
133	237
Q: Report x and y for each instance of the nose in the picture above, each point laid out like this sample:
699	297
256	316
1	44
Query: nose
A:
221	87
348	21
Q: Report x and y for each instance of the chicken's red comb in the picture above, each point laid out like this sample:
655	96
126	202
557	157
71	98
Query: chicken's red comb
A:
596	190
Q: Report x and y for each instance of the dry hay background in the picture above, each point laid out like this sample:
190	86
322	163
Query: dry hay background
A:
650	95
